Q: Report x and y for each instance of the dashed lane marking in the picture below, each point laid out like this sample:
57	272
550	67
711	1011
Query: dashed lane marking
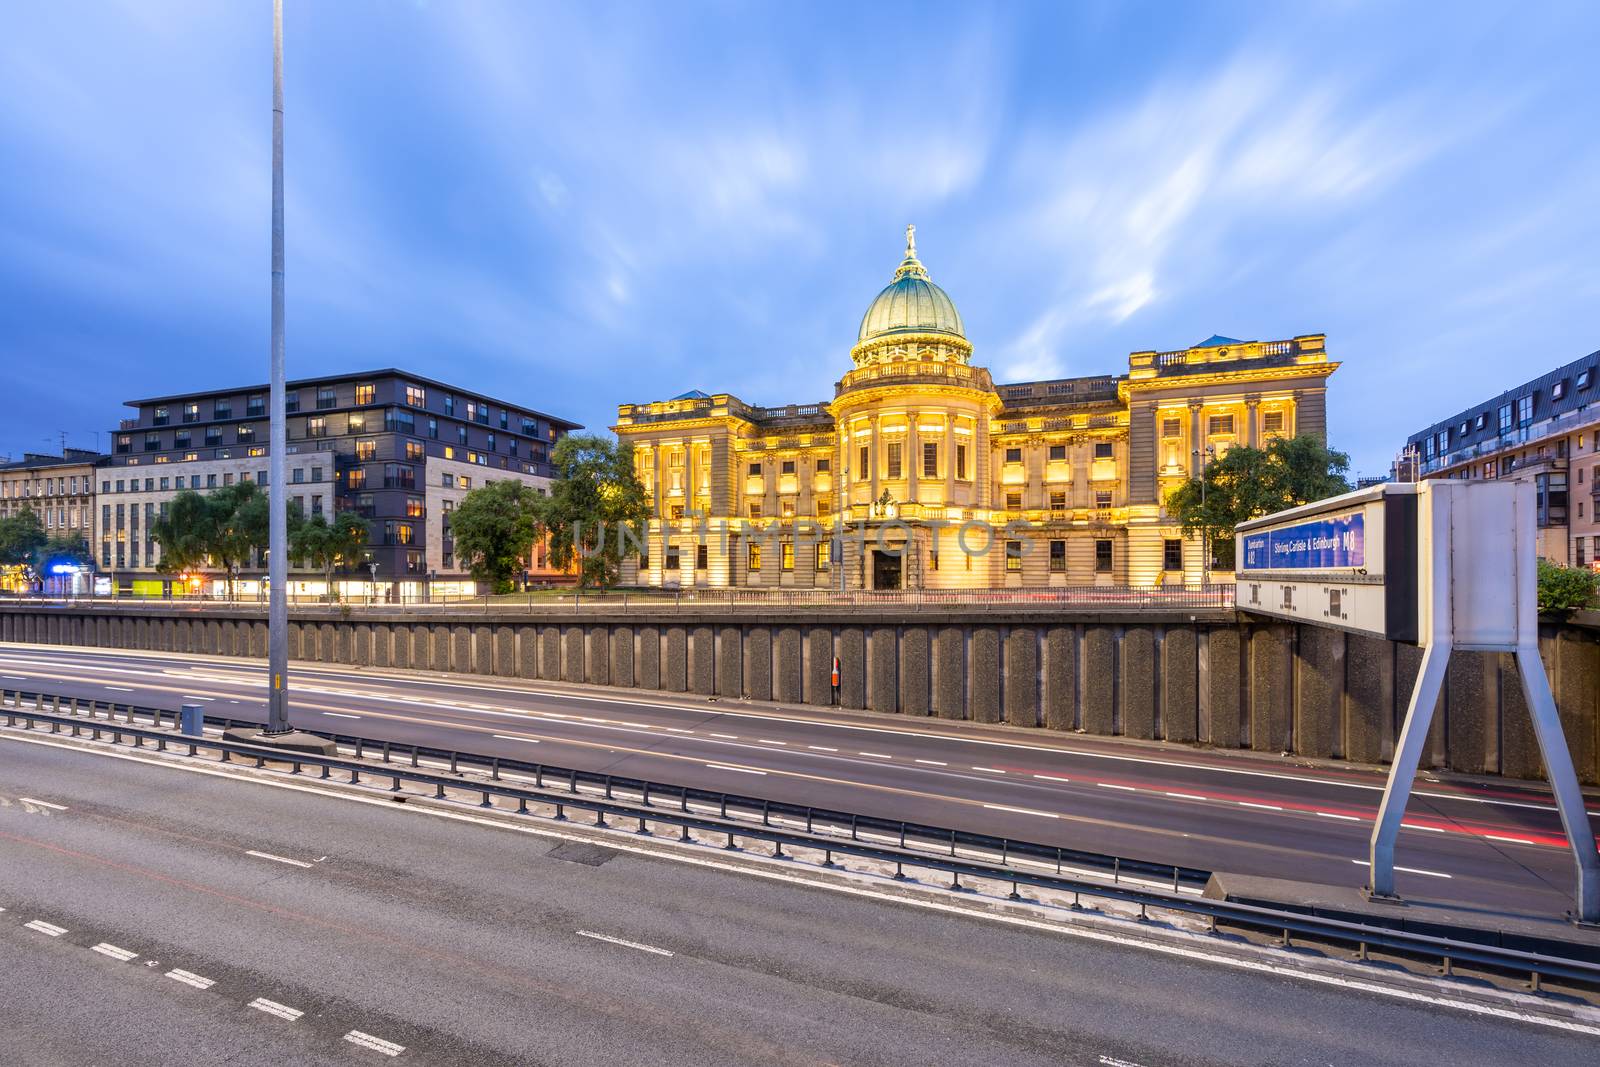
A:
340	715
1113	785
1052	778
272	1007
1263	807
275	858
989	770
765	741
508	737
1332	815
940	763
1186	796
119	688
1408	870
741	770
1022	811
122	954
727	737
624	943
43	803
48	929
376	1044
821	748
874	755
189	978
1491	837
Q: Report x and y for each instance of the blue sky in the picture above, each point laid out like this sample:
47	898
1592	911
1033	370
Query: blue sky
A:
576	205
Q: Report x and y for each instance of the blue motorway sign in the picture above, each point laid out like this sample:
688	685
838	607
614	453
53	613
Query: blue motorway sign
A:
1321	544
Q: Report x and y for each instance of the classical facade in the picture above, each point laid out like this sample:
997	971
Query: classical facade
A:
1545	431
922	473
60	491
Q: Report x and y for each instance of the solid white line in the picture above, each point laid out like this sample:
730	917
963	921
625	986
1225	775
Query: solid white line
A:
376	1044
279	859
625	944
874	755
525	740
48	929
106	949
1263	807
189	978
1408	870
989	770
341	715
1331	815
1124	788
936	763
1022	811
1052	778
725	767
272	1007
42	803
1187	796
1491	837
1430	829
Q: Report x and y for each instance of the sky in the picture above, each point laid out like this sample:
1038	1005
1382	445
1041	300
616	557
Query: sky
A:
571	206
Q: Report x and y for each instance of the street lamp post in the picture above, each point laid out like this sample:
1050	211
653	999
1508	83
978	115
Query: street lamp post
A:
372	583
278	523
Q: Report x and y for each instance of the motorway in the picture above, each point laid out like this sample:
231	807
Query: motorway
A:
1487	844
153	914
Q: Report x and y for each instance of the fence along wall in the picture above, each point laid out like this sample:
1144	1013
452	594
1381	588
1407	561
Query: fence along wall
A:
1215	679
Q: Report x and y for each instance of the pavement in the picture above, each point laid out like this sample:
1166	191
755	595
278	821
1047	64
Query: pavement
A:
1492	845
161	915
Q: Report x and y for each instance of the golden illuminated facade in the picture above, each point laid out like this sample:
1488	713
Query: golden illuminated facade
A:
938	478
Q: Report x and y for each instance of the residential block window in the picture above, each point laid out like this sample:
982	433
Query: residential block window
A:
255	406
1102	557
213	436
1504	416
1013	555
414	450
433	428
326	397
366	392
1058	557
191	413
358	477
160	416
357	423
893	460
366	448
930	459
125	443
317	426
1172	555
755	556
222	409
1524	409
414	507
245	434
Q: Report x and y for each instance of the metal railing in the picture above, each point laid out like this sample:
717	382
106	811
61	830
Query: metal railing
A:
905	845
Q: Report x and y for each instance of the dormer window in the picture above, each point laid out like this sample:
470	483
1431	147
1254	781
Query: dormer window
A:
1583	378
1558	390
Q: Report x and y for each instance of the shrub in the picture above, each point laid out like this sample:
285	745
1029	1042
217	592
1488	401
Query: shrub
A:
1563	590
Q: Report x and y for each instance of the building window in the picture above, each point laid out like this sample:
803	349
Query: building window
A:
1505	417
930	459
1272	422
824	465
316	503
152	442
414	450
1172	555
366	393
1102	498
961	462
1524	409
213	436
755	556
1058	557
356	424
1102	557
825	555
755	509
255	406
1103	450
674	561
414	507
222	409
1058	500
125	443
1058	452
1013	555
786	467
864	467
404	532
1219	425
316	474
893	463
398	421
317	426
1013	455
677	462
701	557
191	413
1171	427
1558	390
358	477
1013	501
326	398
449	405
786	556
291	401
245	434
160	416
1583	378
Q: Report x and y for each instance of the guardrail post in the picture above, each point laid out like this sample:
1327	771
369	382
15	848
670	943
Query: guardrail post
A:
494	769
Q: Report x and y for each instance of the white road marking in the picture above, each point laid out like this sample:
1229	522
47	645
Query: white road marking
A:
1331	815
16	677
1174	950
1491	837
1263	807
676	730
341	715
741	770
934	762
277	859
727	737
1187	796
625	944
821	748
120	689
1052	778
43	803
764	741
1124	788
48	929
272	1007
1408	870
874	755
524	740
201	700
106	949
1022	811
1112	1061
989	770
1430	829
376	1044
189	978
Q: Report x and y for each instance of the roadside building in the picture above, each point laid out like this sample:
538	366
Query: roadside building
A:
1070	475
1544	431
398	449
61	491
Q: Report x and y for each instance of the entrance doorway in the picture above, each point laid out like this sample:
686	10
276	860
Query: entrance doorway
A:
886	569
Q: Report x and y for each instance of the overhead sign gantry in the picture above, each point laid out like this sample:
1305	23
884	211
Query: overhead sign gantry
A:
1442	564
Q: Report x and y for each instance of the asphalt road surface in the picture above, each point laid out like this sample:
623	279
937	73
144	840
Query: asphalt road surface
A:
1491	845
159	915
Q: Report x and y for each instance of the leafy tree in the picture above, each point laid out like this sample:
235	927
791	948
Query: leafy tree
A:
494	528
65	548
1563	590
1247	483
595	493
326	545
223	527
21	537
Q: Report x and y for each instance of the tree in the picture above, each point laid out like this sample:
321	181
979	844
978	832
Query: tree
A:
494	528
1563	590
223	527
21	537
1246	483
326	545
595	493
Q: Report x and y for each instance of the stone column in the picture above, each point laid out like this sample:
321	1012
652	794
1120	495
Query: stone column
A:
1252	420
915	458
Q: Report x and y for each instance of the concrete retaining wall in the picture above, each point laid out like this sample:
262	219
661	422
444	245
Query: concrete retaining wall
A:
1216	679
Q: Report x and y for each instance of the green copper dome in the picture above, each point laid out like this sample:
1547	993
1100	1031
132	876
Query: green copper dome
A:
911	303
